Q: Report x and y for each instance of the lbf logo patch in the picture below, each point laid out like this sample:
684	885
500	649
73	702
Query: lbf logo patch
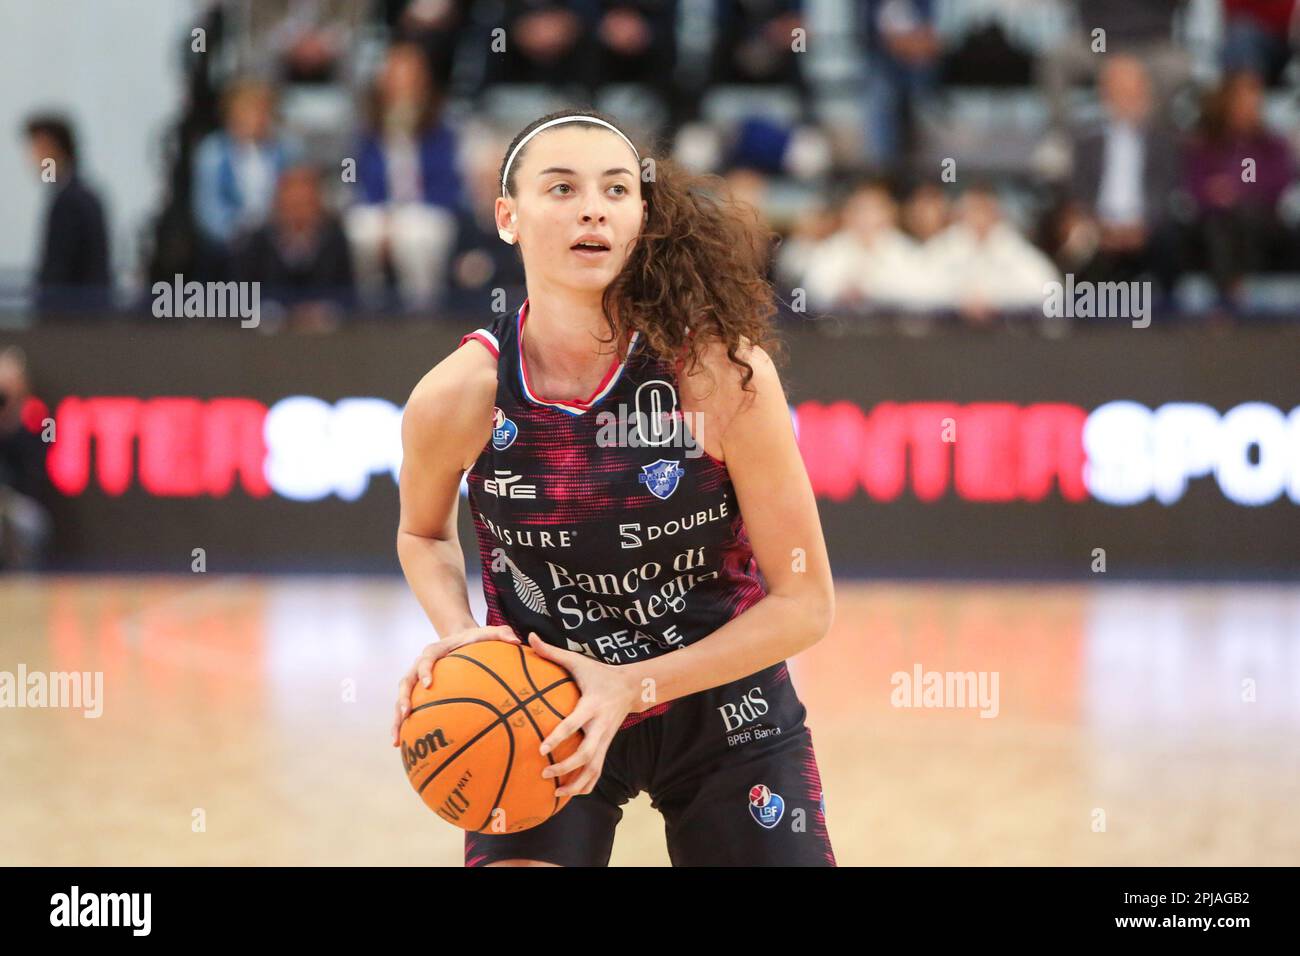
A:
765	806
504	431
661	477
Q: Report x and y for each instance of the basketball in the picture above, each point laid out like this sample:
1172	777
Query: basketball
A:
470	743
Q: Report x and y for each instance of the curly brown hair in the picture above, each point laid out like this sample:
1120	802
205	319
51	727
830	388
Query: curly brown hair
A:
699	264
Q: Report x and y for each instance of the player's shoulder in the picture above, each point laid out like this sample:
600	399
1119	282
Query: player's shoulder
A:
458	393
719	379
469	369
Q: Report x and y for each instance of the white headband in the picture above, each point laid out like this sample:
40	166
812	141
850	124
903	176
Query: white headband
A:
556	122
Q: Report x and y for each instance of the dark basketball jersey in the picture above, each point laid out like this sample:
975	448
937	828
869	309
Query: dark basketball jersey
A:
602	524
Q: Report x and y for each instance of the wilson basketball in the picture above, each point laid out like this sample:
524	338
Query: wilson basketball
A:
470	743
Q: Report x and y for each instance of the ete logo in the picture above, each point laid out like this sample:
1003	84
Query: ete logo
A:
661	477
504	431
506	484
765	806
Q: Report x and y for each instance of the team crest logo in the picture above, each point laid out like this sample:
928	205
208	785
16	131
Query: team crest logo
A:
765	806
504	431
661	477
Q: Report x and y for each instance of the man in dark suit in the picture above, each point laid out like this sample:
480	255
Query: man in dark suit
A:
73	275
300	257
1124	176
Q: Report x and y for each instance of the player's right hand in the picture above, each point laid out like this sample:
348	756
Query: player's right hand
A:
422	669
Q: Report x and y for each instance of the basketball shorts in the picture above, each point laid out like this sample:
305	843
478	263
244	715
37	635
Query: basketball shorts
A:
730	768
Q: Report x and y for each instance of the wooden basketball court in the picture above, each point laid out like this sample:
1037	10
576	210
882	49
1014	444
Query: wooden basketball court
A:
245	720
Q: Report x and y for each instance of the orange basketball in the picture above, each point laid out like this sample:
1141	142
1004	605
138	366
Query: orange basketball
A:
469	744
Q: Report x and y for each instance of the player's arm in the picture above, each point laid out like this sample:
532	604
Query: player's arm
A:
441	433
780	512
446	423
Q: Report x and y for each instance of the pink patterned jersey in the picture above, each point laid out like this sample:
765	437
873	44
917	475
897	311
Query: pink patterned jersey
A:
602	524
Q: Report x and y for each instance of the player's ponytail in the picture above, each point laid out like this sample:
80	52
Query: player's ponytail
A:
700	261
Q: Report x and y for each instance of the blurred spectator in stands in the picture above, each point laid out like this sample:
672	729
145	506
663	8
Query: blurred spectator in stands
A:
73	274
902	51
588	44
775	147
1259	35
1124	173
869	264
547	43
750	188
927	212
481	262
754	43
1144	28
981	266
636	42
300	256
25	525
809	230
235	172
409	185
983	45
1236	171
302	41
436	26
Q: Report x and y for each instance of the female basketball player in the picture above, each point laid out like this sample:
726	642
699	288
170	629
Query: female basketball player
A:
624	502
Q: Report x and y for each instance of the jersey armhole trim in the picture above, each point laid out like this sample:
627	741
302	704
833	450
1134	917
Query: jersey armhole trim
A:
484	336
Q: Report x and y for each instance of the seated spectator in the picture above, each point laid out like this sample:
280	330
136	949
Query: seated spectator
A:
775	147
235	172
1144	28
981	266
73	272
409	186
750	188
983	48
1258	35
902	50
481	262
927	212
636	42
1124	173
753	42
300	256
436	26
25	524
549	45
869	264
795	253
1236	172
580	47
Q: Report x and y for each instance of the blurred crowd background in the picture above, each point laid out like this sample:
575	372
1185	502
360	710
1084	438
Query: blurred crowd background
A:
933	160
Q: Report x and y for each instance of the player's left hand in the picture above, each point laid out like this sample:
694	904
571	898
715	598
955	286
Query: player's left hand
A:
608	695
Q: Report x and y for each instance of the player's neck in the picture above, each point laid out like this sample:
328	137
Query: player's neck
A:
561	337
